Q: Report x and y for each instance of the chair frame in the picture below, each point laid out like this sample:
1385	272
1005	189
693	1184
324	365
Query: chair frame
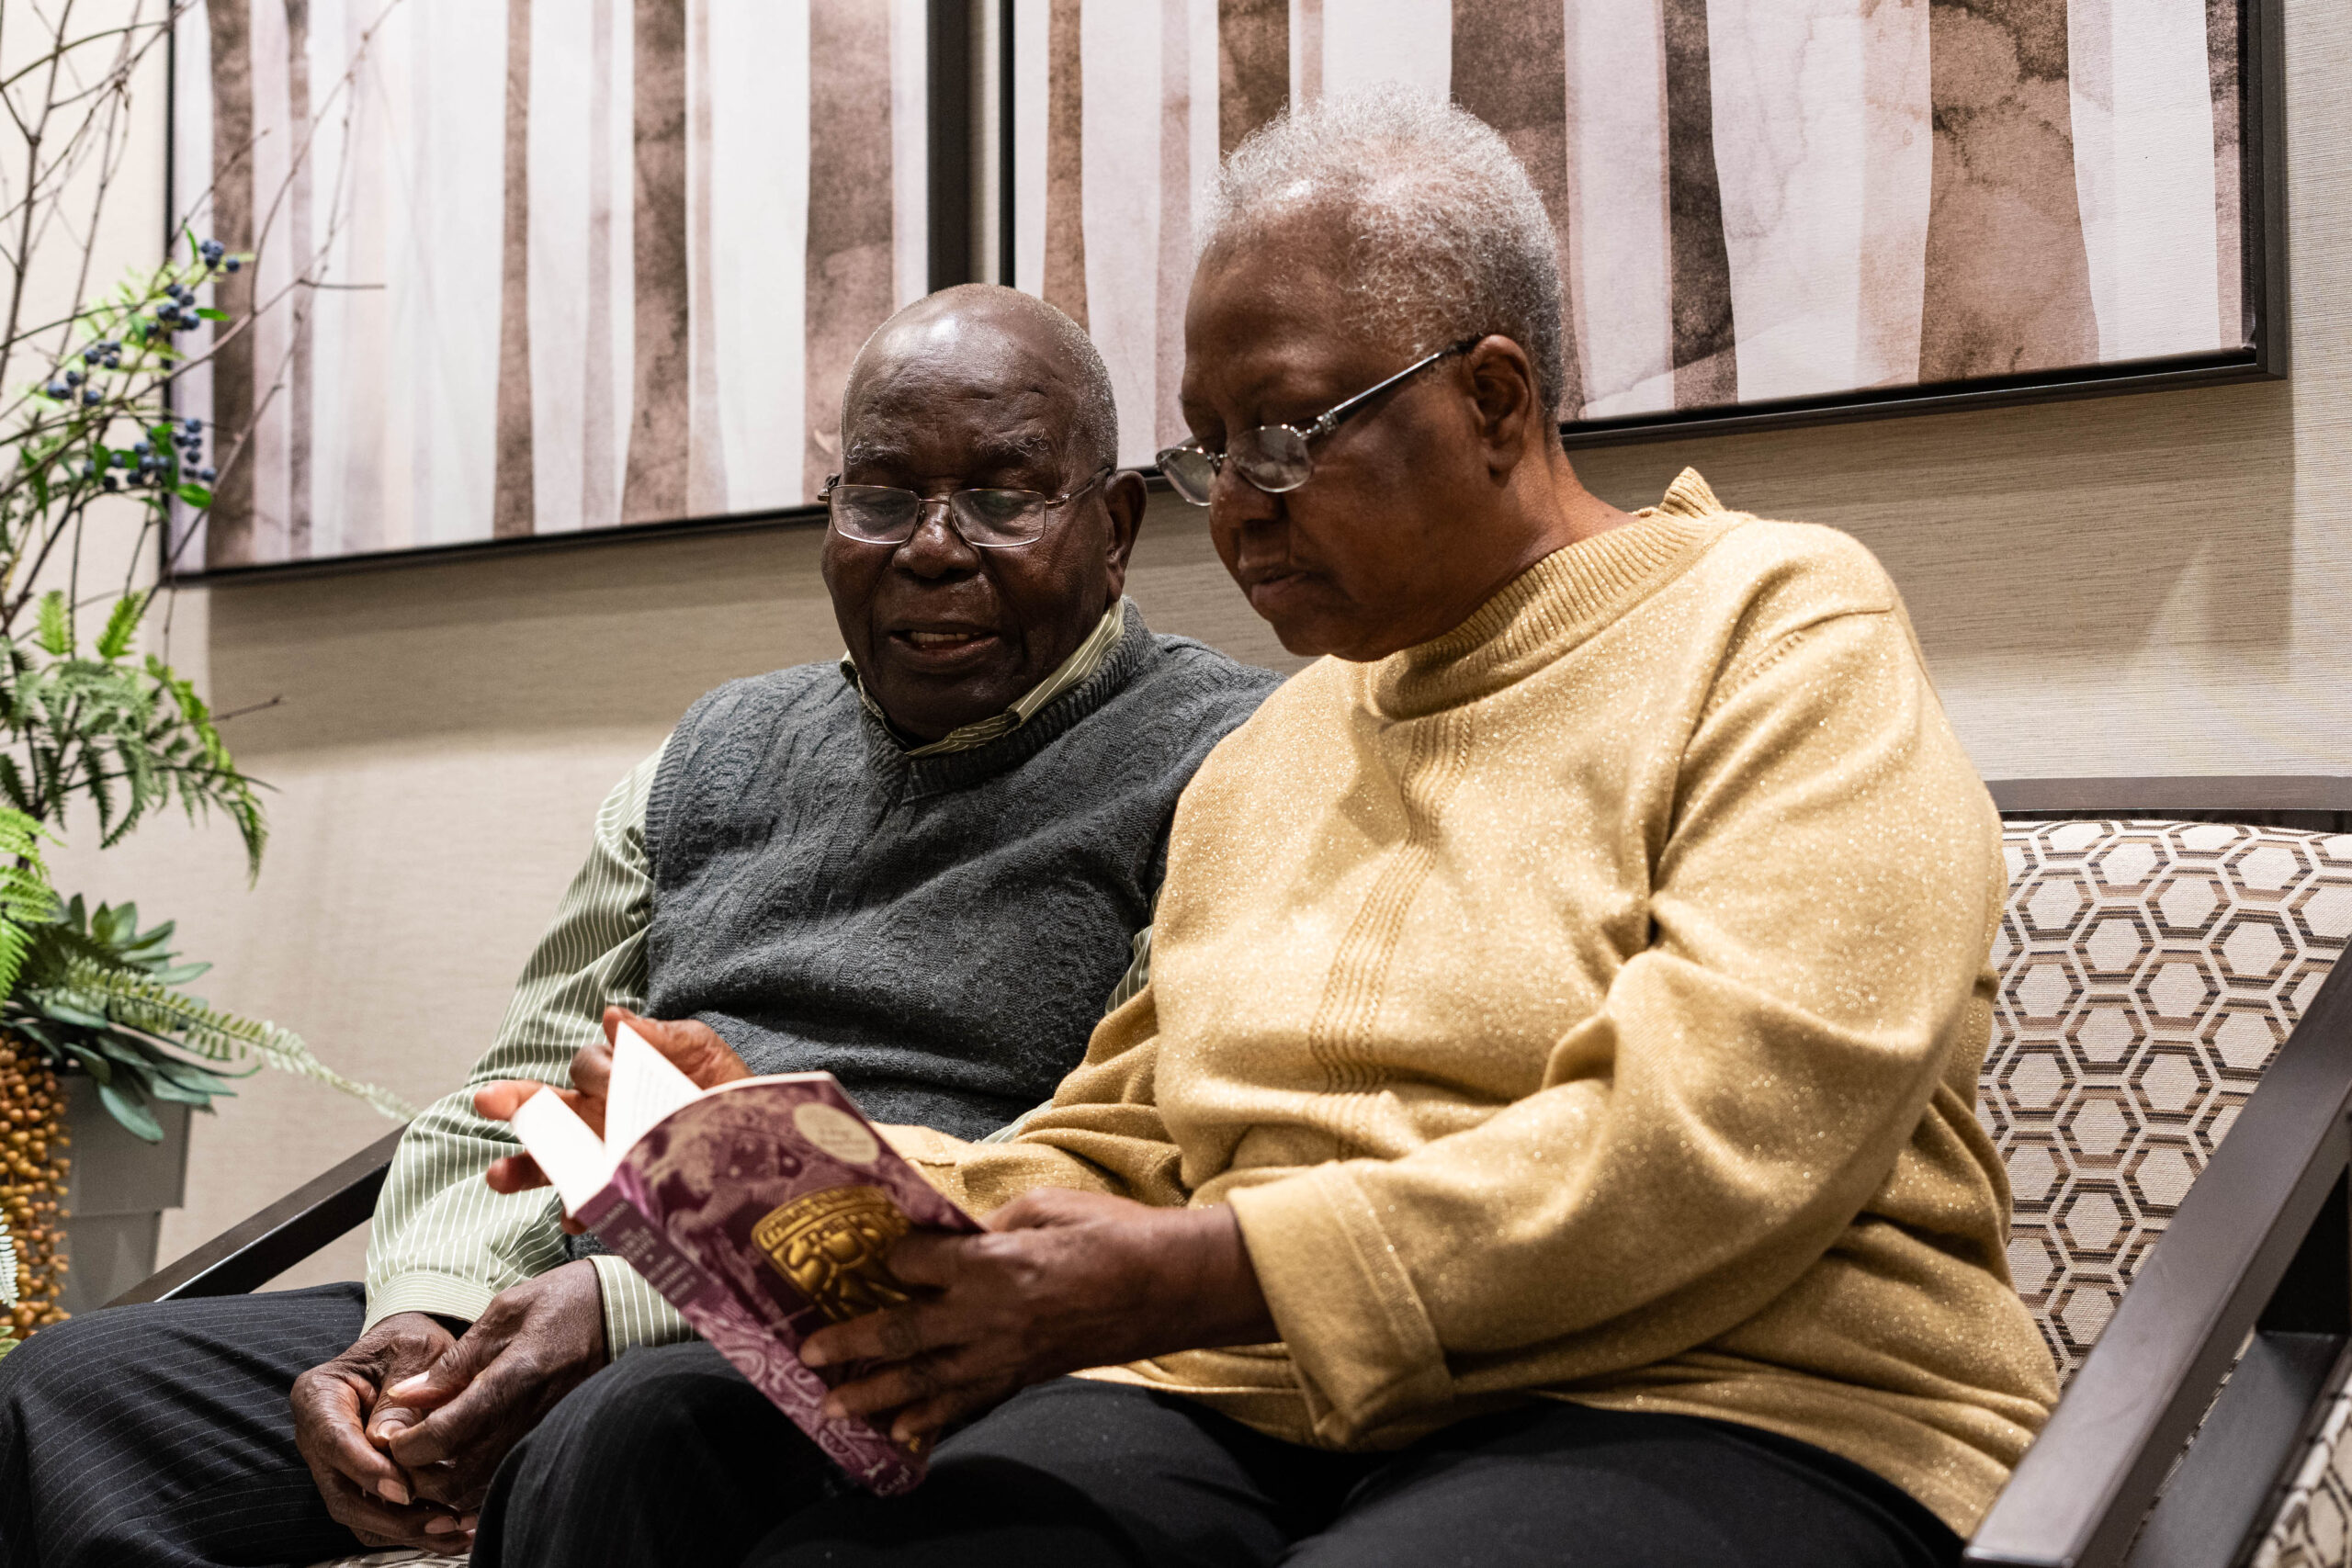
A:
2258	1255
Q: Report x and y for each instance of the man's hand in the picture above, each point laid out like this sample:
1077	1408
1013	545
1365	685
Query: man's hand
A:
450	1424
695	1049
1062	1281
365	1491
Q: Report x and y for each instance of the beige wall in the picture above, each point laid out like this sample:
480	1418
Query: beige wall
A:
2133	585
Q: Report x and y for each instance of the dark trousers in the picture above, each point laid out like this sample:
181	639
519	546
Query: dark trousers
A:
159	1435
666	1459
1077	1474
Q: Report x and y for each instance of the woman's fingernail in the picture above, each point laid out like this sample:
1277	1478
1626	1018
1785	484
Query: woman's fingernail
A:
469	1522
406	1384
441	1526
833	1409
393	1492
385	1429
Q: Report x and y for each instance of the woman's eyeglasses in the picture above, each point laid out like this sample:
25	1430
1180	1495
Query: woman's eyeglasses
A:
987	519
1274	456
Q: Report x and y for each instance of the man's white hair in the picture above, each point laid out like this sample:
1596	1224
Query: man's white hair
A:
1097	434
1448	239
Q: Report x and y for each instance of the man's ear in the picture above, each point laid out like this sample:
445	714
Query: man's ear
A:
1502	381
1122	499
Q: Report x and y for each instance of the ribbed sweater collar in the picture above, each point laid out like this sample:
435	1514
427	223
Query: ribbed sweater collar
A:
1549	608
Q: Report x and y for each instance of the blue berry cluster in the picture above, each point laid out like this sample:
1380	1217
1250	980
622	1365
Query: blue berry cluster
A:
103	354
189	437
168	451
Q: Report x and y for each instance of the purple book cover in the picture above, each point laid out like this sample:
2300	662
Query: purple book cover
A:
762	1211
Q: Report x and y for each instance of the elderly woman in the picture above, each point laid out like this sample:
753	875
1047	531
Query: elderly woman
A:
1546	1137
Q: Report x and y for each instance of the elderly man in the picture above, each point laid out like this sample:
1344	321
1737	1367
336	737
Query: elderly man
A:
920	870
1546	1137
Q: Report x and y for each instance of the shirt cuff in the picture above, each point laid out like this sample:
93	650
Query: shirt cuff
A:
443	1295
1359	1340
635	1315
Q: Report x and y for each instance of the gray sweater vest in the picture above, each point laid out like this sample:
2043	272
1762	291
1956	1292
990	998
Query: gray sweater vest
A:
939	933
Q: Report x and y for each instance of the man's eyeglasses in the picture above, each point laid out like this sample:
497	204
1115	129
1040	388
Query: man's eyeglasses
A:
1274	456
987	519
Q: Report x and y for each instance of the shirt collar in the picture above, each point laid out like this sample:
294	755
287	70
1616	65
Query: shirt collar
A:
1083	661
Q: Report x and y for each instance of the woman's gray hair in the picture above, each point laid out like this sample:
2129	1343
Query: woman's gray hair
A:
1450	239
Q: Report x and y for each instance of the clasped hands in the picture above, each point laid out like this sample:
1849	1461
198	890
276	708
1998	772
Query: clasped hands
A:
1057	1281
403	1431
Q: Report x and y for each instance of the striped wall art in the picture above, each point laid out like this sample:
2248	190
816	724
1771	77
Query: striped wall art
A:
548	265
1755	200
541	265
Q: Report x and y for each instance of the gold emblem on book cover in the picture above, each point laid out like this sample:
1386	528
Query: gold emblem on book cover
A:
830	1245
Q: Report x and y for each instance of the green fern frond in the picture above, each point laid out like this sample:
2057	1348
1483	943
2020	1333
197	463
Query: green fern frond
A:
212	781
62	943
56	629
12	783
138	1002
26	899
122	624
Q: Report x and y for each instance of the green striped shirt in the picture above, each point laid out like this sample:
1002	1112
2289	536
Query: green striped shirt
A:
442	1242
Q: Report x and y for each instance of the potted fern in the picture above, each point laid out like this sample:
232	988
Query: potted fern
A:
103	1049
87	723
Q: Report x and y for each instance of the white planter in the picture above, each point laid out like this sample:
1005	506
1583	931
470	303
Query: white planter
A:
116	1192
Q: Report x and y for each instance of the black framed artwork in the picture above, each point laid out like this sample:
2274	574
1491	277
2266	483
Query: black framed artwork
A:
541	269
548	273
1768	210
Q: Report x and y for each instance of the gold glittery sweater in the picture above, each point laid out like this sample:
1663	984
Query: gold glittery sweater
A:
1589	1004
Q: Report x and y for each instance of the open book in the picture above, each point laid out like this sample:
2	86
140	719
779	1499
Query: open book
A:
762	1209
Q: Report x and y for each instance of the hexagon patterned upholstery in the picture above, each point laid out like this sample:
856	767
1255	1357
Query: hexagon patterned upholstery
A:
2149	971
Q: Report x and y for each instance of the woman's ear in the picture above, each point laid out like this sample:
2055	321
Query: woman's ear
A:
1504	385
1122	499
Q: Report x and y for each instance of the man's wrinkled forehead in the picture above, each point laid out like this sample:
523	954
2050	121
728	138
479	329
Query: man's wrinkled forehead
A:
954	378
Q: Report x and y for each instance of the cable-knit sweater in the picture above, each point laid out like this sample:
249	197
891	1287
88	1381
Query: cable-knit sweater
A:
1589	1004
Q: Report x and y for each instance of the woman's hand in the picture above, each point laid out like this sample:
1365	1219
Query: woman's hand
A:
695	1049
1061	1280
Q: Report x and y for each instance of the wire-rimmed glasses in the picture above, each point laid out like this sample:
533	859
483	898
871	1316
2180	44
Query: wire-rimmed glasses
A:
986	519
1274	456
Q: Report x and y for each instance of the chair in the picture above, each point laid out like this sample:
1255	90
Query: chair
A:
2168	978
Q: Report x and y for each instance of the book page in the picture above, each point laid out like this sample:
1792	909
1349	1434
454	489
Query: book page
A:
645	1088
572	1157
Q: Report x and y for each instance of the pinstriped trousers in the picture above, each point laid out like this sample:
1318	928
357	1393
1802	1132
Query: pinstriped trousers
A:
159	1435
